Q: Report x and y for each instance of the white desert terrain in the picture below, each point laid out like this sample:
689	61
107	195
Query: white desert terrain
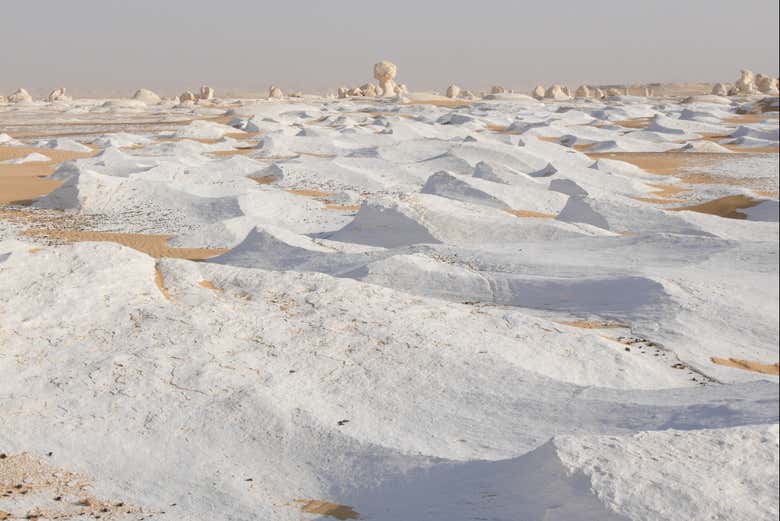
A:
389	305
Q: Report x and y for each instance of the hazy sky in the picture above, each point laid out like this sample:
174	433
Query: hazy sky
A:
116	46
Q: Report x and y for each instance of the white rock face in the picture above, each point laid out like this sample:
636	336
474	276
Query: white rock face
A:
582	92
342	93
206	93
147	96
746	84
538	92
614	91
556	92
497	89
384	73
20	96
766	84
598	93
370	90
453	91
58	95
275	93
720	89
2	99
187	96
647	92
357	91
401	89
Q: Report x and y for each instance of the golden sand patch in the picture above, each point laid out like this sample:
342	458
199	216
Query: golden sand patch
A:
742	119
316	194
325	508
56	156
33	489
152	245
208	285
24	189
343	207
636	123
159	281
663	163
594	324
263	180
528	213
232	152
723	207
747	365
772	194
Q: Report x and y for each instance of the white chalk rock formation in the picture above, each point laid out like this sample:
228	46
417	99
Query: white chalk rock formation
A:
538	92
275	92
614	91
556	92
401	90
206	93
147	96
3	100
58	95
598	93
187	96
582	92
384	73
356	92
647	92
342	93
453	91
566	90
20	96
746	84
720	89
370	90
497	89
766	84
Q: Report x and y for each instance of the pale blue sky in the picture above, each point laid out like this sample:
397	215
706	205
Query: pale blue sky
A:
113	46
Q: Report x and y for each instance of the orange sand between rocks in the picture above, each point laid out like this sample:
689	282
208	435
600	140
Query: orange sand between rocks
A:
20	184
152	245
325	508
747	365
723	207
528	213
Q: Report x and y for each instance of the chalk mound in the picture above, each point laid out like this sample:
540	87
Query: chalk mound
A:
275	92
147	96
538	92
206	93
556	92
59	94
20	96
453	91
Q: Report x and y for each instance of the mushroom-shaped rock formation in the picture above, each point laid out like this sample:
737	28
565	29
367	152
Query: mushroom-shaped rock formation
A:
206	93
275	92
556	92
538	92
720	89
147	96
384	73
58	95
746	84
20	96
453	91
582	92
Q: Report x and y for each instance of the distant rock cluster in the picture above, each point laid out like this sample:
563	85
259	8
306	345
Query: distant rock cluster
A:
384	73
748	84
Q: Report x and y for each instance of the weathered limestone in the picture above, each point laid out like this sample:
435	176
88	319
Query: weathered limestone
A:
384	73
147	96
720	89
58	95
766	84
556	92
187	96
746	84
453	91
342	93
497	89
598	93
566	91
614	91
206	93
275	92
370	90
582	92
356	92
401	89
538	92
20	96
